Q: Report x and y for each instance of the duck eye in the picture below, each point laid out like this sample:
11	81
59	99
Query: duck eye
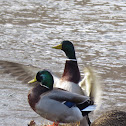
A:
42	77
39	77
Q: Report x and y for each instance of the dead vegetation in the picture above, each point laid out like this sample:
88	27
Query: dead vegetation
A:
32	123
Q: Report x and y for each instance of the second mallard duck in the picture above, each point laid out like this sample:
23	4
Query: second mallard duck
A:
71	79
71	76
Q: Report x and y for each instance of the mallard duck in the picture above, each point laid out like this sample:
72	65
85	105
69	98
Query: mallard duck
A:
53	103
71	75
71	79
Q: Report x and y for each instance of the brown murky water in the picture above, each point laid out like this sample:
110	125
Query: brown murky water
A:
28	30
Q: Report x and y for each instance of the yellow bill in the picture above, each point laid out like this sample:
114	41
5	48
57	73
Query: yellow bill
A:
58	46
32	81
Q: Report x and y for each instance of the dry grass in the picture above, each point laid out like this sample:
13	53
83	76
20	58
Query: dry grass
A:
32	123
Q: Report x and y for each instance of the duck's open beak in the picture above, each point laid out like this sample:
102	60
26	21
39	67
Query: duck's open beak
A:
58	46
32	81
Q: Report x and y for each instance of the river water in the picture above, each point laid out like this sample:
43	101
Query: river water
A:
28	30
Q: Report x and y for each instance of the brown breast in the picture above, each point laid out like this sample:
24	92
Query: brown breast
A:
71	72
34	95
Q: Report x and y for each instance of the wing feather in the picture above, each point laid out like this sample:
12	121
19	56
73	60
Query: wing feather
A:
22	72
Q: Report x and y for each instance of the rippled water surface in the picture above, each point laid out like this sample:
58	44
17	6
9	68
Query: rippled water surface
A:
28	30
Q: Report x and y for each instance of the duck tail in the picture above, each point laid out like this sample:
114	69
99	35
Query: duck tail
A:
91	85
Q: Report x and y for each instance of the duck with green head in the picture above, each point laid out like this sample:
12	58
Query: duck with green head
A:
71	79
49	102
71	76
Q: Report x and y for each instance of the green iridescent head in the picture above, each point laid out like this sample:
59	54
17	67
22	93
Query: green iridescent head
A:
45	78
68	48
